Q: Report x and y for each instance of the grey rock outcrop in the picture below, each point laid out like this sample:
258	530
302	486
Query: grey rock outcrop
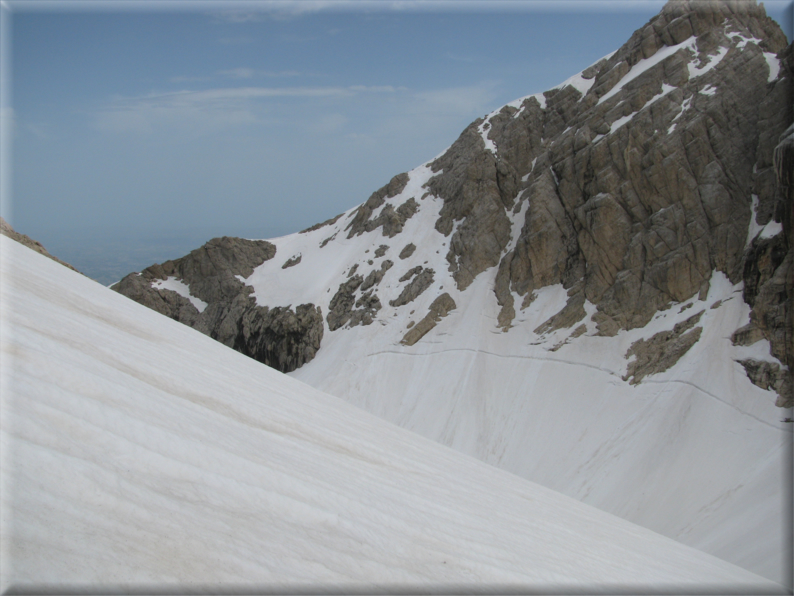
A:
766	375
407	251
327	222
769	286
341	307
422	279
374	277
476	189
439	308
662	350
291	262
571	313
644	214
348	308
281	338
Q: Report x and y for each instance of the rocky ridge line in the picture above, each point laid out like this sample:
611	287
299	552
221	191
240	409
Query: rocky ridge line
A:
280	337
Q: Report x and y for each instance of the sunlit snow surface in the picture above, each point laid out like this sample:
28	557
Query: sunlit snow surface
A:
138	453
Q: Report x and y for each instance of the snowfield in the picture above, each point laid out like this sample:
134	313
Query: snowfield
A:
139	453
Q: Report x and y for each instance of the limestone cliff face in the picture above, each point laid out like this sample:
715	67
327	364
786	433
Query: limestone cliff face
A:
640	180
222	305
649	187
630	185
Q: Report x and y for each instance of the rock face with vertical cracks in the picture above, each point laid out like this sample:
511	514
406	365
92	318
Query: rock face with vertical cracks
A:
644	211
634	187
476	188
281	337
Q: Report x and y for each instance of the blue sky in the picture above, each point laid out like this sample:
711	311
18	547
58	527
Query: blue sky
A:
260	119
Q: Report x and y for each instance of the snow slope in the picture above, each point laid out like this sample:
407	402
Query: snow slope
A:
138	453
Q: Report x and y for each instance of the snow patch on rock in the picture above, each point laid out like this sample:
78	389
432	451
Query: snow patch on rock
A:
710	64
774	66
181	288
645	64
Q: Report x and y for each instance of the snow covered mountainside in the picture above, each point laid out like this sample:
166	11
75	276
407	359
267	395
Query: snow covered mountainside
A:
591	288
139	455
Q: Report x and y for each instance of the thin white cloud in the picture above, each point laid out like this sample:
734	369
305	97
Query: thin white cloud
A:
209	109
376	89
406	118
238	73
281	73
249	73
278	9
237	16
188	79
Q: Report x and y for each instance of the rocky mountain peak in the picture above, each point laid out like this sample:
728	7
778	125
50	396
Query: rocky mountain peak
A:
630	185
